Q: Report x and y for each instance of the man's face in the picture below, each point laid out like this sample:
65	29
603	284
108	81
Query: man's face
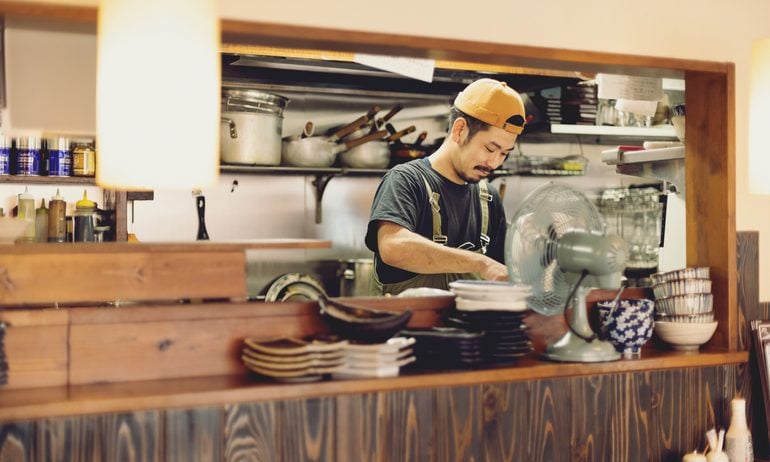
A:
484	152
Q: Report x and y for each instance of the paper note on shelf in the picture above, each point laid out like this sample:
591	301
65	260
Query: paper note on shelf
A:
416	68
612	86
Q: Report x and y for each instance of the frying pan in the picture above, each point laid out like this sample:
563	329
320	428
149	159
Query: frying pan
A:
401	152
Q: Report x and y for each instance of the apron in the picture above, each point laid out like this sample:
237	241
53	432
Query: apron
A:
440	280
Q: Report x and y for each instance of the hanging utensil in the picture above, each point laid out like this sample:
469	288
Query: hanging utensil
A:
200	205
384	119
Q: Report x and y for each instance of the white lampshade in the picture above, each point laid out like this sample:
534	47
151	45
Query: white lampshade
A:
157	98
759	118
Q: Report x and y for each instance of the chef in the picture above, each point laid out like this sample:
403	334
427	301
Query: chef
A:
437	219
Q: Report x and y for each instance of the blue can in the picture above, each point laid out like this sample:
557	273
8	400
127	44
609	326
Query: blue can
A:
59	161
5	155
28	156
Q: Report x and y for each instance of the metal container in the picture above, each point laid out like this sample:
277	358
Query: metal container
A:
251	126
28	155
355	276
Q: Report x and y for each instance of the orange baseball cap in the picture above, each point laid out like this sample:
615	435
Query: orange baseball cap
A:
493	102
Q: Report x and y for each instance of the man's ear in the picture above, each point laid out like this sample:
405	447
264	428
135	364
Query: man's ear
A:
459	128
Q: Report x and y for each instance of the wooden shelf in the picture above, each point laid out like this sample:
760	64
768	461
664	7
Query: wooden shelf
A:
154	247
60	180
18	405
663	131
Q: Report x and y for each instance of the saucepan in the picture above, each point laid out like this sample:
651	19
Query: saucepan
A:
375	154
319	151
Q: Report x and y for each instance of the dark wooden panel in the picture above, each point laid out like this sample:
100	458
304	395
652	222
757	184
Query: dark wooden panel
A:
386	427
457	423
611	418
131	437
193	435
748	285
684	406
73	439
549	423
17	442
306	430
506	422
249	433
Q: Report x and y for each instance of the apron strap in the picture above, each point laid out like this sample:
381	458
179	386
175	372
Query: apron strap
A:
433	198
485	198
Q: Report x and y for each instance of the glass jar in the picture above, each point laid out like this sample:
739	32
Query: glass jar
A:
83	159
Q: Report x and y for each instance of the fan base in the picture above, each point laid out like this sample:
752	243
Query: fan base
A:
571	348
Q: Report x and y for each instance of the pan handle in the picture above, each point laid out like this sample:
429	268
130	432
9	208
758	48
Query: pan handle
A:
420	138
348	129
396	136
364	139
384	119
231	124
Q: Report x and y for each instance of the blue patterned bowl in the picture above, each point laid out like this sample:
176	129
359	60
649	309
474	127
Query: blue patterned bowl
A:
629	325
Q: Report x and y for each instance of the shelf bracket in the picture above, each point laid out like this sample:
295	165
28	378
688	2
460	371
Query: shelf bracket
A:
320	183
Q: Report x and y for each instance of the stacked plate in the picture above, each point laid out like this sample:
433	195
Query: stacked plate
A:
497	310
377	360
445	347
505	337
294	360
473	295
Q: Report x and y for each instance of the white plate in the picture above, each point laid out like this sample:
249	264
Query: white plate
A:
392	345
463	304
489	286
498	296
373	360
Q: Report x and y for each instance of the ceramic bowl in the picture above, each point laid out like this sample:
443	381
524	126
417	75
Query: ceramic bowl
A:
685	336
703	317
685	304
629	325
682	287
699	272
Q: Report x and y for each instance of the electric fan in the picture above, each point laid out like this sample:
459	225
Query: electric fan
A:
556	243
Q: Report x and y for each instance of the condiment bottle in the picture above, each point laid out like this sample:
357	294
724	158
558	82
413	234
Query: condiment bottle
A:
41	223
738	437
59	163
26	212
84	219
57	211
5	155
28	155
83	159
694	457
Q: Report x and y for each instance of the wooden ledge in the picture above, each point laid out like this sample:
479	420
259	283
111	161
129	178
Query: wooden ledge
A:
155	247
16	405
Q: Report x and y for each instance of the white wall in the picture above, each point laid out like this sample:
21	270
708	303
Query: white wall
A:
704	29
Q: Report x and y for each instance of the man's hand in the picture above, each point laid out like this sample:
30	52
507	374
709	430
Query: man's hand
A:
494	271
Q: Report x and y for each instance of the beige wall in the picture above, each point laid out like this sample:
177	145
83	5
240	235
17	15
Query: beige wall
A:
703	29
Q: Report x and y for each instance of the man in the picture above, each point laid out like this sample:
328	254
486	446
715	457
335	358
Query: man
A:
435	220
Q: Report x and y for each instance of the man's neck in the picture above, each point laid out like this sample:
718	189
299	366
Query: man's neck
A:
441	161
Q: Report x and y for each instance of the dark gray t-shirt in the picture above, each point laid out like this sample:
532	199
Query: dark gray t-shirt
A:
402	198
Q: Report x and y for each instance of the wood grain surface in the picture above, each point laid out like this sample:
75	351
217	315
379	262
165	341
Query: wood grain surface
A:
193	435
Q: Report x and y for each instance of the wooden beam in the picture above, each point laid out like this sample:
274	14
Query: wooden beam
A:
710	186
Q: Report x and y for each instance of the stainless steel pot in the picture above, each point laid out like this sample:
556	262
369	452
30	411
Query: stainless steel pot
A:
319	151
355	276
251	125
375	154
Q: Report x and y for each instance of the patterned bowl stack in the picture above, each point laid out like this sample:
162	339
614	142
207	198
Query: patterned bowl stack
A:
684	307
294	360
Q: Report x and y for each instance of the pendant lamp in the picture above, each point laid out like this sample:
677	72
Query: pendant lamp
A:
759	118
157	98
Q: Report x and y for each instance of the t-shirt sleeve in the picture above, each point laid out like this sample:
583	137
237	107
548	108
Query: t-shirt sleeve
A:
397	200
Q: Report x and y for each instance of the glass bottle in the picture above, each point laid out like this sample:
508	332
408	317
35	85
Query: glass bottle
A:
738	437
83	159
84	220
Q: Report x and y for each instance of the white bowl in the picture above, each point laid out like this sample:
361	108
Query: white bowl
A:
685	336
